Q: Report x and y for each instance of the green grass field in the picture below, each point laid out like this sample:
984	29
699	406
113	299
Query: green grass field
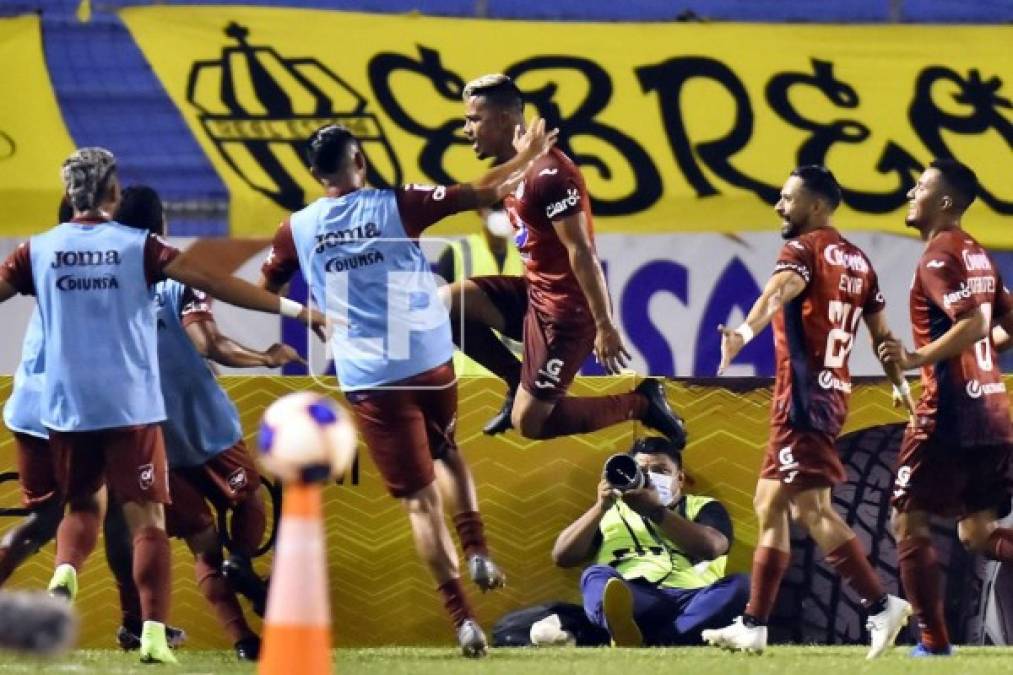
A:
425	661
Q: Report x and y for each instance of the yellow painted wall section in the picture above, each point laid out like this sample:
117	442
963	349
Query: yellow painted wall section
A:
528	491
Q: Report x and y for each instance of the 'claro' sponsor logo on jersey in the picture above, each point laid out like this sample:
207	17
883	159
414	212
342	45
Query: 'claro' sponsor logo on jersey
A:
974	285
555	208
976	389
828	380
834	255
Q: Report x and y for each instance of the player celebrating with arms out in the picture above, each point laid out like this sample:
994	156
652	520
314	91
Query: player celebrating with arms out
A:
822	285
956	460
358	249
560	308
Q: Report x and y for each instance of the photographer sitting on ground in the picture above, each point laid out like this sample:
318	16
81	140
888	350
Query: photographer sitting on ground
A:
659	555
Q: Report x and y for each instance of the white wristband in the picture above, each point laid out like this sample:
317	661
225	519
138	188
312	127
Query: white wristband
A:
745	332
903	390
290	308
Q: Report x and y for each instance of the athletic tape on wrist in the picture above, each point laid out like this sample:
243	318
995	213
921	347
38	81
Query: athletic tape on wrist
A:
290	308
745	332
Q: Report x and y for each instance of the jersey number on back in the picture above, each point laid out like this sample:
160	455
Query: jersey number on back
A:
841	338
983	347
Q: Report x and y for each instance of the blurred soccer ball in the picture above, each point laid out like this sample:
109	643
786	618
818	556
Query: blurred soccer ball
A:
307	437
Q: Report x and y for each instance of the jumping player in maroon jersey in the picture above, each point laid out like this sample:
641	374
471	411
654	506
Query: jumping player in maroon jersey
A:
956	460
560	308
821	287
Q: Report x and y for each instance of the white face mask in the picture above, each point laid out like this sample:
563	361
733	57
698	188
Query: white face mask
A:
662	482
498	224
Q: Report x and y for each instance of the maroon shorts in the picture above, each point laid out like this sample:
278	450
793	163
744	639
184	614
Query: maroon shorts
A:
36	470
802	459
130	460
405	429
554	350
952	481
226	479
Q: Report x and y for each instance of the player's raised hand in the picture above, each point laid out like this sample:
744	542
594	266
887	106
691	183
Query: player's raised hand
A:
534	141
609	349
731	344
280	354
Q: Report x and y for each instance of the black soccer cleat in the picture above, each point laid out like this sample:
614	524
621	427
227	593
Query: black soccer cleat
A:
238	571
248	649
501	421
659	415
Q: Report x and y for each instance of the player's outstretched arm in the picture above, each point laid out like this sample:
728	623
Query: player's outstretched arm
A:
212	344
879	332
781	288
969	327
501	180
609	349
576	543
236	291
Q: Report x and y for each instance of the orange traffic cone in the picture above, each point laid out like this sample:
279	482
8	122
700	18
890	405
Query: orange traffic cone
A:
297	625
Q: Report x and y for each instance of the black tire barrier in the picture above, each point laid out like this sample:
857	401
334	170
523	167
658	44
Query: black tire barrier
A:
814	606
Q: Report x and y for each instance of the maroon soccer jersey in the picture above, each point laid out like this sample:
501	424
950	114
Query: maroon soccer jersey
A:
552	189
963	396
815	333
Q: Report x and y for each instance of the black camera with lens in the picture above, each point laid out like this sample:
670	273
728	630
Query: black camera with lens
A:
623	473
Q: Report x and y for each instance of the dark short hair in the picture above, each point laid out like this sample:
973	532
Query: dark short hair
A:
820	181
66	212
960	178
657	445
327	147
141	207
498	90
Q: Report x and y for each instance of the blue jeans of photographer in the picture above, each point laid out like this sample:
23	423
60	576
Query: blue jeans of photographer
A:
669	616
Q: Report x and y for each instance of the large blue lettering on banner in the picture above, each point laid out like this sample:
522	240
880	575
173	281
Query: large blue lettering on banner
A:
735	289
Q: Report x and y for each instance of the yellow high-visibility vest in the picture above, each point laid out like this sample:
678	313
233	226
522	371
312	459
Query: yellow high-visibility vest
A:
637	549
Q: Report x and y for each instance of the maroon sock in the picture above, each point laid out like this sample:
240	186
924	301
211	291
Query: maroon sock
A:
77	535
216	591
152	569
455	601
769	566
849	561
1000	545
248	525
485	347
584	414
923	586
471	532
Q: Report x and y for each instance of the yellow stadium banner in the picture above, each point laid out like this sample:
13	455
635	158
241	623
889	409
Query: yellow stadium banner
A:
33	140
678	127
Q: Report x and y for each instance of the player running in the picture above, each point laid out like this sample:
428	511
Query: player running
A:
208	460
822	285
101	401
358	249
955	461
560	308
